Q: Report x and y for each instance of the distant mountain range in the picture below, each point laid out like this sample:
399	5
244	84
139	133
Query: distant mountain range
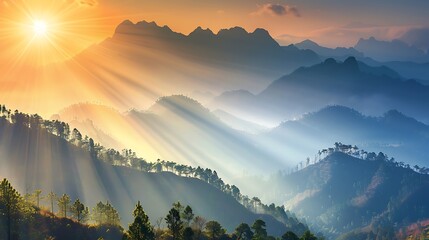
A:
146	61
387	51
393	133
339	52
372	90
369	50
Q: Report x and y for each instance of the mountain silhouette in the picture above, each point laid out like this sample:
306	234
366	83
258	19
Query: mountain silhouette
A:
176	63
393	133
350	83
339	52
395	50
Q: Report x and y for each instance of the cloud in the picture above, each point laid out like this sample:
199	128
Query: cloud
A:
277	10
418	37
87	3
83	3
348	35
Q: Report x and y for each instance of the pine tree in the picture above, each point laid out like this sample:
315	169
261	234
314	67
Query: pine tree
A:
10	207
140	229
174	223
79	211
63	205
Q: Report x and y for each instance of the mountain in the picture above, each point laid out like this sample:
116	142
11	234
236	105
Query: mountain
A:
143	61
366	89
339	52
405	69
33	158
395	50
393	133
180	128
342	193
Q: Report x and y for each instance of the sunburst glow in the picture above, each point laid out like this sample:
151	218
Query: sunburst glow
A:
40	28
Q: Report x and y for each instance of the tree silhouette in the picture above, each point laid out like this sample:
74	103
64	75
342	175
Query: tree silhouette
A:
52	197
289	236
214	230
10	201
308	236
140	229
63	205
174	223
79	211
259	229
188	233
187	215
243	232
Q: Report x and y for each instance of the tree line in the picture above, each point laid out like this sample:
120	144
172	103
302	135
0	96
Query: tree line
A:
128	158
18	214
354	151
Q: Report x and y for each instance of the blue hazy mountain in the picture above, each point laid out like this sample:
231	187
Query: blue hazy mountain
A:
393	133
339	52
372	90
387	51
406	69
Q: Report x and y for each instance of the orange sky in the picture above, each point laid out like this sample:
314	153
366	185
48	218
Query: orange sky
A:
74	25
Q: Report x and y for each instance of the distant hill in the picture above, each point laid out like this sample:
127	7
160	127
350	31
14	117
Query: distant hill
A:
405	68
395	50
349	83
33	159
342	193
339	52
393	133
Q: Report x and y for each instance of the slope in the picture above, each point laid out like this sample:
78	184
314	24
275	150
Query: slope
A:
392	133
32	159
344	83
179	128
341	193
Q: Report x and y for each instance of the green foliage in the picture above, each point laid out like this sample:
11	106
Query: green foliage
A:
187	215
10	210
308	236
243	232
63	205
105	214
79	211
289	236
140	229
259	229
214	230
174	223
188	233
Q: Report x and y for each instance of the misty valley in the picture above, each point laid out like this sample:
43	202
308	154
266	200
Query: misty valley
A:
269	122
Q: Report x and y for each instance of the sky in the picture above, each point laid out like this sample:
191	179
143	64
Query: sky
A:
45	32
76	24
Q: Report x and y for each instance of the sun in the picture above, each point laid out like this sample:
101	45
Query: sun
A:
40	28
